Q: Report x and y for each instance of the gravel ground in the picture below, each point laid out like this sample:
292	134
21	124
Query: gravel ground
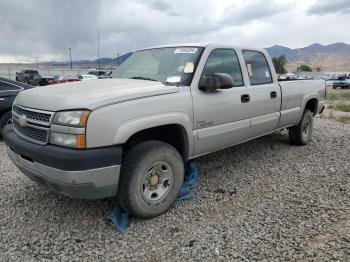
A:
264	200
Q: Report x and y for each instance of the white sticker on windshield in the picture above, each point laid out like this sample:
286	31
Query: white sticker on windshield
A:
185	50
267	74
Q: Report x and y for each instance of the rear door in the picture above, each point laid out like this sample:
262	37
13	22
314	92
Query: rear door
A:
264	93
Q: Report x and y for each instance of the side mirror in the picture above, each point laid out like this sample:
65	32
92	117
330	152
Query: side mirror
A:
215	81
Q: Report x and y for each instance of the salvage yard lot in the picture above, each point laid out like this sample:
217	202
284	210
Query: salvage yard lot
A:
264	199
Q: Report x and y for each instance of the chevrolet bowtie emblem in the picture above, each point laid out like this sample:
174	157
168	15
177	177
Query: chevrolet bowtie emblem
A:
22	120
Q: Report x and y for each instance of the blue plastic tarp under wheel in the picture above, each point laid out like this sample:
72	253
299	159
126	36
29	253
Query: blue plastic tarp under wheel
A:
119	217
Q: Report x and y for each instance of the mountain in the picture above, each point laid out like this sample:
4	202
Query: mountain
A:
334	57
101	61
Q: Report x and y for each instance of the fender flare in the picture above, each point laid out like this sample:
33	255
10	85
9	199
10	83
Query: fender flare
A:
306	99
133	126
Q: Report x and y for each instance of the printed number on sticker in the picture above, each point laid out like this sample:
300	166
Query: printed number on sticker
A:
185	50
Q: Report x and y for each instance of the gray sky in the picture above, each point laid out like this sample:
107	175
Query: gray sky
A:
45	29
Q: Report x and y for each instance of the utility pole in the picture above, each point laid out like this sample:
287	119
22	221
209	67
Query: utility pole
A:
70	56
98	50
118	59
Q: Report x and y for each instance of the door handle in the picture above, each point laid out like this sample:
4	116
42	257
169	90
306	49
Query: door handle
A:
273	94
245	98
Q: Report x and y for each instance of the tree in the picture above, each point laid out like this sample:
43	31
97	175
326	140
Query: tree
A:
279	63
304	68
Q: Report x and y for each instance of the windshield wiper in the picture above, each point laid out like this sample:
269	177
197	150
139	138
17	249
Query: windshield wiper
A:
143	78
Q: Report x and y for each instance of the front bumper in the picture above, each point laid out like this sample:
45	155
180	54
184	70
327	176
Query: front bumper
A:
85	174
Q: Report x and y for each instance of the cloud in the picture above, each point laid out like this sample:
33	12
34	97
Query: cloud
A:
324	7
248	11
46	29
34	28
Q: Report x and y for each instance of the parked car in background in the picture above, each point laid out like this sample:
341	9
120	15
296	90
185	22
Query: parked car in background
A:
108	74
287	77
342	82
8	91
30	77
63	79
97	73
87	77
45	80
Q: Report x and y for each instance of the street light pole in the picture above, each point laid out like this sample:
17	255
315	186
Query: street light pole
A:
70	56
98	50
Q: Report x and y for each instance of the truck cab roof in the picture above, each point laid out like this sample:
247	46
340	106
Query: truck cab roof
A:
204	45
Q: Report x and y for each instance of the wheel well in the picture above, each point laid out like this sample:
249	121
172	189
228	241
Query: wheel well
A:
5	111
172	134
312	105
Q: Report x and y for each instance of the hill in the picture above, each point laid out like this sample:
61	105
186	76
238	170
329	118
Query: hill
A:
334	57
102	61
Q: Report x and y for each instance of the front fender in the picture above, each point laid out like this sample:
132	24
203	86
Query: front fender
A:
131	127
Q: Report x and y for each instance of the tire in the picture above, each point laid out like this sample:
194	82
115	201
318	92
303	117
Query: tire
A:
301	134
4	120
151	176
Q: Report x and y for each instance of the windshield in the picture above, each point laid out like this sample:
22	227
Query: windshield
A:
170	65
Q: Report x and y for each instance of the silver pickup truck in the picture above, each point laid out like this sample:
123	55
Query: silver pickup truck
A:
130	136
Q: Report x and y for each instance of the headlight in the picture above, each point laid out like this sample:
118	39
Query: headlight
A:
76	118
68	140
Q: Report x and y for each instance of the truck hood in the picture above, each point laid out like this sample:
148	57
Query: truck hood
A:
91	94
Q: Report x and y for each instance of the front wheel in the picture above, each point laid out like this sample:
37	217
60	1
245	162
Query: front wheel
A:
301	134
151	177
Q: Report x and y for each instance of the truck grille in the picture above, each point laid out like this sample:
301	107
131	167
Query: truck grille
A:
31	124
33	115
36	135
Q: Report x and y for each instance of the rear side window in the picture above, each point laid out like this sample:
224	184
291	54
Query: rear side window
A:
258	69
224	61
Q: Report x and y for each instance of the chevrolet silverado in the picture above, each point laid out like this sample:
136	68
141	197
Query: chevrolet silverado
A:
128	137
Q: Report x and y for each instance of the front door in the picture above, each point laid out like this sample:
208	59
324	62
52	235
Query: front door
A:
221	118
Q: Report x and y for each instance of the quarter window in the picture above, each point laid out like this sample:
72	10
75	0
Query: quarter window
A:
257	67
224	61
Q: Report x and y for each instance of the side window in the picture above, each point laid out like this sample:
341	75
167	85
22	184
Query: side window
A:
258	69
224	61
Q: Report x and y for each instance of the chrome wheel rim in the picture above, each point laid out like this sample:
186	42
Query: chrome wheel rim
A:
157	182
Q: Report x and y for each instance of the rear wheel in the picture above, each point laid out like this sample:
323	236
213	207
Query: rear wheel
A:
302	133
151	177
